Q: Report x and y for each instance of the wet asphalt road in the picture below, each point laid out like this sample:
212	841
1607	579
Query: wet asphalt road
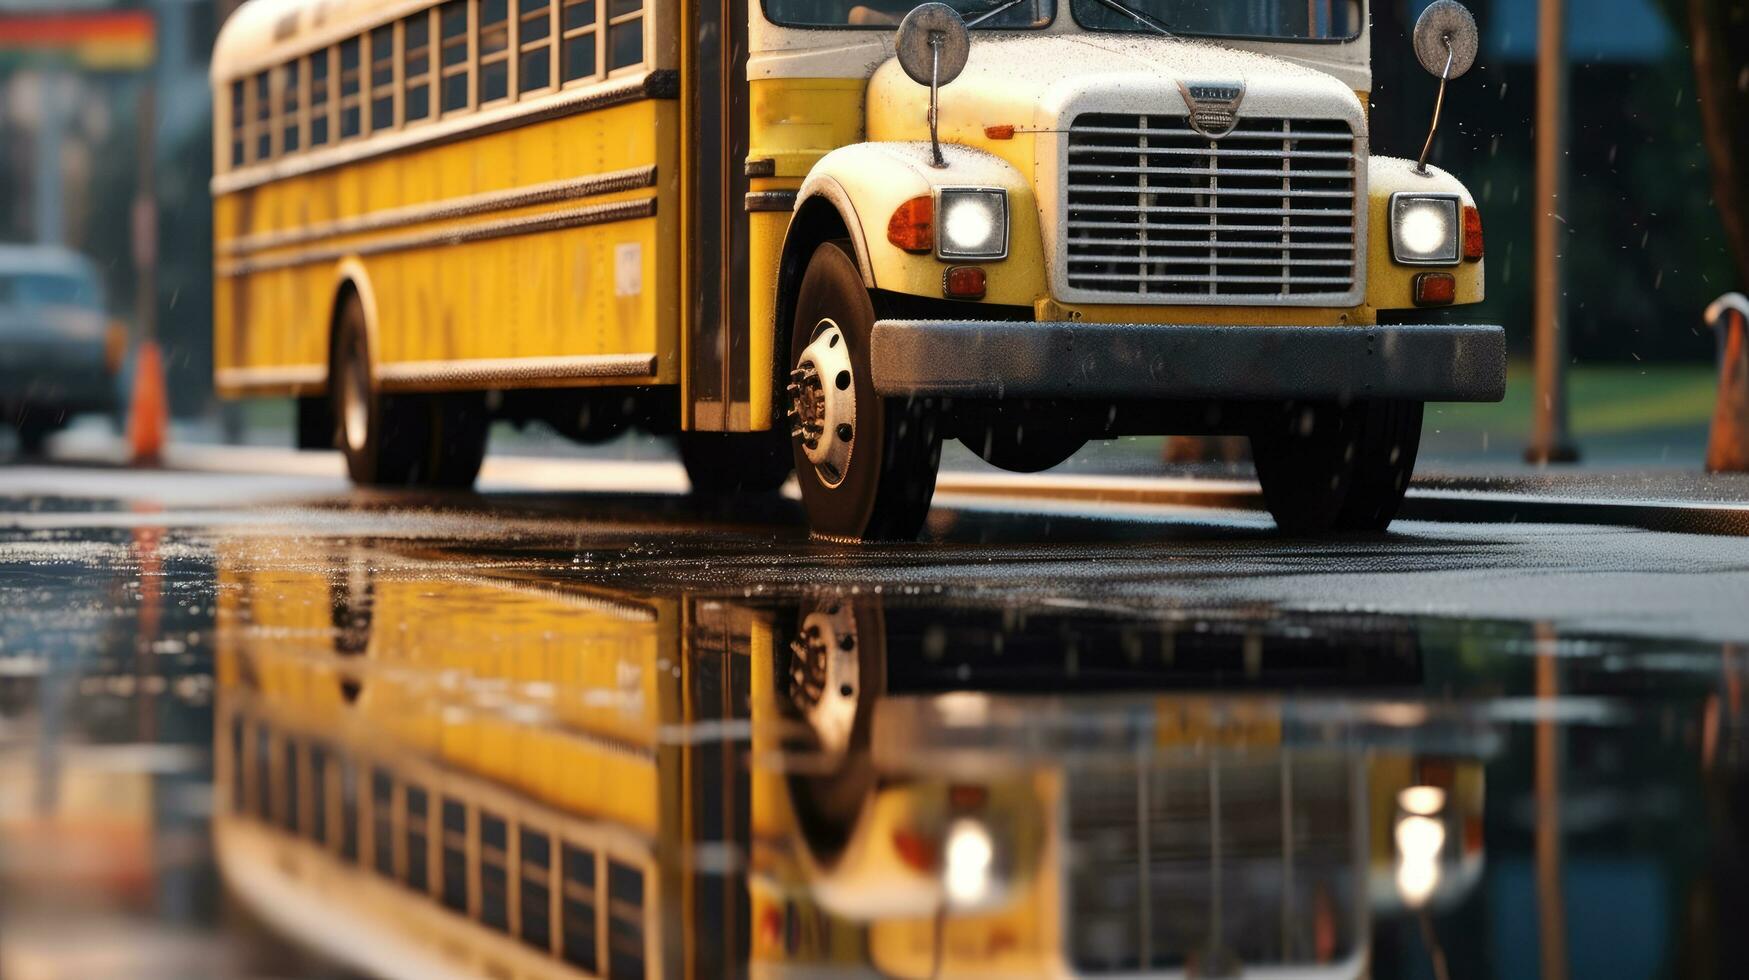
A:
1047	738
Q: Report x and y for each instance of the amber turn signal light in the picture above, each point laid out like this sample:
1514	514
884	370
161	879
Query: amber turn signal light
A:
912	226
1472	234
1004	131
1435	289
963	282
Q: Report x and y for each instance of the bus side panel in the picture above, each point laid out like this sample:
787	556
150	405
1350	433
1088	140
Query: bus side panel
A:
605	284
795	122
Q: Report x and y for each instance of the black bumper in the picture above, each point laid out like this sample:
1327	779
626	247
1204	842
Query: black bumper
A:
987	359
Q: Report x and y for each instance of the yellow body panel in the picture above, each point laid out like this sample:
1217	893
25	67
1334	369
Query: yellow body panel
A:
593	753
1389	285
608	288
794	122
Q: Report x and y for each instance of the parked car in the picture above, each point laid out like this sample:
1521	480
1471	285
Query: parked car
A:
59	350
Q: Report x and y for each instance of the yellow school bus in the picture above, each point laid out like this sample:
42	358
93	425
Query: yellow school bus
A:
826	235
516	775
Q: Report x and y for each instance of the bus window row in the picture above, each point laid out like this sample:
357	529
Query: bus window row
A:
446	847
456	57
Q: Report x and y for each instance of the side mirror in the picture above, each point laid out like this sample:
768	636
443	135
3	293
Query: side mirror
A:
1445	43
933	45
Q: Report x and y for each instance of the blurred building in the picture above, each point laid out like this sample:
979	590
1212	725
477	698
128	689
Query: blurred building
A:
1646	251
74	76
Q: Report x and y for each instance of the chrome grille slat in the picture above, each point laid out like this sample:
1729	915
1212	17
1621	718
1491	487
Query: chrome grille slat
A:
1199	171
1327	280
1218	243
1157	212
1180	151
1240	133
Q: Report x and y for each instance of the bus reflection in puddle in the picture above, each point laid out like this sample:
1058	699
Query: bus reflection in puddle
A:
427	776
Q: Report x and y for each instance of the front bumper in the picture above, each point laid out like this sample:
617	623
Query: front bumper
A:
990	359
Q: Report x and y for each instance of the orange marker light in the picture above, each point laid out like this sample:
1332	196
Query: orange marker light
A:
1435	288
1003	132
1472	234
963	282
912	226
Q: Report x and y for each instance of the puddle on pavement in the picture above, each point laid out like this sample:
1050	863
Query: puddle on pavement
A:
306	756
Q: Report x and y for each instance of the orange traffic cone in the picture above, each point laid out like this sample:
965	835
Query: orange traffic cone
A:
148	409
1727	448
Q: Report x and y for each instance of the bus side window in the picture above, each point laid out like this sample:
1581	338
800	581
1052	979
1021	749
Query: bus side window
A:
320	832
577	906
263	775
382	78
455	854
625	920
494	47
382	813
239	791
348	810
625	34
577	49
289	788
350	85
264	116
418	836
239	141
494	871
291	107
536	894
534	36
454	24
416	67
320	72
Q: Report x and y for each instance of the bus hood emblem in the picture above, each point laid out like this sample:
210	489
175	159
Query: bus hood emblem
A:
1214	106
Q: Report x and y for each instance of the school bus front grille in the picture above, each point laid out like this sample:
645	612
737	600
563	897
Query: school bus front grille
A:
1158	213
1174	864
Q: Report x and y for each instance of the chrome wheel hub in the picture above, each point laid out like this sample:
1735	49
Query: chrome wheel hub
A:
822	403
825	668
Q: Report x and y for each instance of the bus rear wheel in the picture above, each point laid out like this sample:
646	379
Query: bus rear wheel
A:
866	465
1328	467
436	440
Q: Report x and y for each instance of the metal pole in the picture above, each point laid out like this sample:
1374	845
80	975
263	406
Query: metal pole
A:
145	216
1549	440
1550	896
51	139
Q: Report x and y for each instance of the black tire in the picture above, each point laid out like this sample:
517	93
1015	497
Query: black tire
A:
1383	464
723	463
828	798
1327	467
405	440
460	426
883	495
33	434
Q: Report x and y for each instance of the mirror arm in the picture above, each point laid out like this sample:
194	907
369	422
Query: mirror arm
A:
938	161
1438	104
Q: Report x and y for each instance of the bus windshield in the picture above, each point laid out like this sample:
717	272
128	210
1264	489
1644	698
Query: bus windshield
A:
1269	20
1026	14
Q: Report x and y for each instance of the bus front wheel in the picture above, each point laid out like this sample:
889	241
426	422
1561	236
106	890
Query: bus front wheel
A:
436	440
1328	467
865	464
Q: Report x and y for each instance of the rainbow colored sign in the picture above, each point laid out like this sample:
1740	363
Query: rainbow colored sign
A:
118	40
